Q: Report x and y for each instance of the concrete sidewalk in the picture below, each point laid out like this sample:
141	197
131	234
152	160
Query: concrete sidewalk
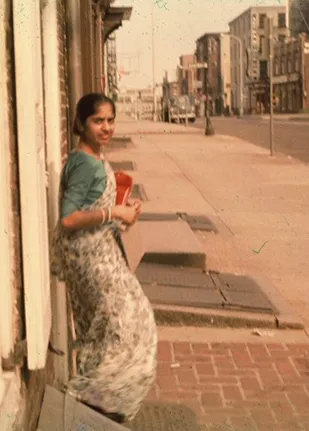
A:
254	200
235	381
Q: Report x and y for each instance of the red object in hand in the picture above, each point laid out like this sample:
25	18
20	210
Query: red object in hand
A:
124	185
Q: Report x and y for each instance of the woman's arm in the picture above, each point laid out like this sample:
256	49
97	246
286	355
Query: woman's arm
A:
79	173
87	219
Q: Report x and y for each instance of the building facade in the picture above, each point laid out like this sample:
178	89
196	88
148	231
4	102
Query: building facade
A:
187	75
298	16
214	82
51	53
291	75
249	35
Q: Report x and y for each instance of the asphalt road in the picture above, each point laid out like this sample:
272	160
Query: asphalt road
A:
290	137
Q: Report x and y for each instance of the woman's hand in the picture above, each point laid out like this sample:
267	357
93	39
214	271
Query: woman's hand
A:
127	214
137	204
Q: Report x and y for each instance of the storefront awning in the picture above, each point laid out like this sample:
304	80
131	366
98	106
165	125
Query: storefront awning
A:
113	19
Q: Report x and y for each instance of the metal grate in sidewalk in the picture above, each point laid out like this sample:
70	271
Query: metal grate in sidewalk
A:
138	192
199	222
196	222
165	284
120	142
125	165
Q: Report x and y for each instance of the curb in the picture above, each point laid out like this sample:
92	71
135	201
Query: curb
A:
282	318
298	119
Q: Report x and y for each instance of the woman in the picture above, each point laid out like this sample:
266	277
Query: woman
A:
114	322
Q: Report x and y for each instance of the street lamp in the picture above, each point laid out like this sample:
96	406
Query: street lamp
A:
209	130
241	72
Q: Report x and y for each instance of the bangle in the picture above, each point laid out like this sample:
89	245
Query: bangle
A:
109	218
103	216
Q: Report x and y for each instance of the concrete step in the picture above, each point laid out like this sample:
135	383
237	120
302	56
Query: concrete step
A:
164	416
62	412
171	243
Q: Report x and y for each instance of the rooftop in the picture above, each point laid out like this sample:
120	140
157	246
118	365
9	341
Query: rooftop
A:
258	8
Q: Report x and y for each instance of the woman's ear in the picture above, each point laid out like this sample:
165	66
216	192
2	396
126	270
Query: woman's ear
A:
79	126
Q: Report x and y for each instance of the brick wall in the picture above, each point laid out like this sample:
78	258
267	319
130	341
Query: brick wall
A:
14	183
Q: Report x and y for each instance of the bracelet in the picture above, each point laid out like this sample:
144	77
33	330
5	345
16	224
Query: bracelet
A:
109	218
103	216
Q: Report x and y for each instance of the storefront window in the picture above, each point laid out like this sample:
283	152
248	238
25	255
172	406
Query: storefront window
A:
283	98
282	65
290	98
296	62
276	66
289	63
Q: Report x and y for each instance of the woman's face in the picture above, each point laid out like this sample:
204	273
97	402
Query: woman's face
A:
99	127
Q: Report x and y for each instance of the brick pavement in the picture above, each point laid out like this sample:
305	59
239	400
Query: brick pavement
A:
237	386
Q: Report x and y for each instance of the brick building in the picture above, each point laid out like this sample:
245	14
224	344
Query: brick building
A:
291	75
51	53
187	74
298	13
249	29
214	48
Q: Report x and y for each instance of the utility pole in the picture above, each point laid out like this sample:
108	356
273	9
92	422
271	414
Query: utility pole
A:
209	130
271	92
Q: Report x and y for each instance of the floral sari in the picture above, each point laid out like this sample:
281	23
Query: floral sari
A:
116	338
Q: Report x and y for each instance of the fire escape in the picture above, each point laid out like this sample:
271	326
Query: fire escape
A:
112	66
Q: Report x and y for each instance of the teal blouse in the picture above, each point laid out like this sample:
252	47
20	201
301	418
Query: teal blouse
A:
83	182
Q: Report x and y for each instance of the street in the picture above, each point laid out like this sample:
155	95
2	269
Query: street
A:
291	137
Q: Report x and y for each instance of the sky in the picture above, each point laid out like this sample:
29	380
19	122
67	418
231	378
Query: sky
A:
177	26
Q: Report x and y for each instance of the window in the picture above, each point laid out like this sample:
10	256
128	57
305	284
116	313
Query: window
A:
297	62
289	63
276	66
262	18
241	26
263	69
281	20
281	38
262	42
209	46
213	45
282	65
201	51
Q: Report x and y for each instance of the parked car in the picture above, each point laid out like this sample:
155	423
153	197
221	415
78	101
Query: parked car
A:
180	109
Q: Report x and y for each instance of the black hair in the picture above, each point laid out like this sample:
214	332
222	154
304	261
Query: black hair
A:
87	106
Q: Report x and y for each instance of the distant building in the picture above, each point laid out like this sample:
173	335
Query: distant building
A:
187	74
138	103
250	28
291	75
214	49
298	12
